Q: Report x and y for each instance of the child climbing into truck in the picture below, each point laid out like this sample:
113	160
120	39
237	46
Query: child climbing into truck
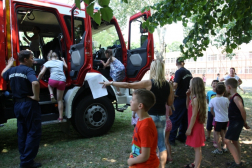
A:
57	79
117	69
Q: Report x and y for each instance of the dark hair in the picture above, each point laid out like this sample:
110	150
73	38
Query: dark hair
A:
220	88
109	52
146	97
232	68
24	54
179	60
214	81
218	74
36	27
232	82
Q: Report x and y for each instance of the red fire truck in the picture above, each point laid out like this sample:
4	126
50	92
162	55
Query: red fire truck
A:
74	35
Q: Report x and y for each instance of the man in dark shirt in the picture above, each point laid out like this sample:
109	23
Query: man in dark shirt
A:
25	90
179	116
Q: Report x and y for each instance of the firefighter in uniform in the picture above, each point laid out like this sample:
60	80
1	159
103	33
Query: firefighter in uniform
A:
25	90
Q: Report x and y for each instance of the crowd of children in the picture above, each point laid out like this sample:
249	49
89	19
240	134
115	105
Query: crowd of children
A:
226	110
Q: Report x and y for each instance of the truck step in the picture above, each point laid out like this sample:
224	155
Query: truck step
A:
53	122
47	102
49	117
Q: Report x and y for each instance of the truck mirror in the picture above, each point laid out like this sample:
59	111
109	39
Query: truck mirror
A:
143	30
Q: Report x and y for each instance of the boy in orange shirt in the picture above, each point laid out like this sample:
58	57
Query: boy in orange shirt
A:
145	138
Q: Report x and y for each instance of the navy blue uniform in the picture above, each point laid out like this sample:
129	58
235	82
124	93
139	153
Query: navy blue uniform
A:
179	116
27	111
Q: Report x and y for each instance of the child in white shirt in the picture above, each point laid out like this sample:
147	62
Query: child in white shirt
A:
219	109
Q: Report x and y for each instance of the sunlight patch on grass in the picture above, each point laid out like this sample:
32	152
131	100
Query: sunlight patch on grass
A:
109	160
4	151
247	142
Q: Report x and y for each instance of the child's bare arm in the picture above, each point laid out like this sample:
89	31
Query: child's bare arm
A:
207	100
187	98
194	116
107	63
240	106
143	157
170	110
212	111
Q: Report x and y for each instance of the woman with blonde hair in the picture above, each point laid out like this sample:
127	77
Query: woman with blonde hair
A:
163	92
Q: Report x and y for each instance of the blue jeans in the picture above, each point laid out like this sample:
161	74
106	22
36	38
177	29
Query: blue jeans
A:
179	120
29	130
160	122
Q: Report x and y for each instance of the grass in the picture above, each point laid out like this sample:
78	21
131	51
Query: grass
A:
59	149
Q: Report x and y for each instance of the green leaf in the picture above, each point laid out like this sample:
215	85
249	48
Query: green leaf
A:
90	9
213	33
86	1
77	3
229	50
151	30
225	21
103	3
97	17
107	13
125	1
233	46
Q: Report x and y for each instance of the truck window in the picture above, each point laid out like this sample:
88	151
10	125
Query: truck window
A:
138	35
107	37
49	31
78	26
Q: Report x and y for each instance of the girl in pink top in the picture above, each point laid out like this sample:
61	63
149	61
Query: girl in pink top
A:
196	104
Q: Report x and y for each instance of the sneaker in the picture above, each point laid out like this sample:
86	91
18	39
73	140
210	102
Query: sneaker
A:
224	150
217	151
32	165
234	165
230	163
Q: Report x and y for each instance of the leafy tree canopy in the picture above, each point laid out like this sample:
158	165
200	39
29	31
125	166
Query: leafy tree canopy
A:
228	19
174	46
211	16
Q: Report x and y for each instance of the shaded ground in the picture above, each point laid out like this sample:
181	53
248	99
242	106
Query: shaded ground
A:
58	149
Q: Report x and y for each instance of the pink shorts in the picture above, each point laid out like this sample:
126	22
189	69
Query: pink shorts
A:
60	85
168	125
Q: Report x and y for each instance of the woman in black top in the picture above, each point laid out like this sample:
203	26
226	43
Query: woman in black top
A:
164	95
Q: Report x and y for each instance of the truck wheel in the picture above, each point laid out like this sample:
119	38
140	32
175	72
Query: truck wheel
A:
94	117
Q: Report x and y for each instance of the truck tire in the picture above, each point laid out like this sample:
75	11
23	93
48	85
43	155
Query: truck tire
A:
94	117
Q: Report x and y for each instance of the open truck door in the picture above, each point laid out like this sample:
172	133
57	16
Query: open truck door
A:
140	47
80	50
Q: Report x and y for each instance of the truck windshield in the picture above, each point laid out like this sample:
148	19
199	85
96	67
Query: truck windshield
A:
108	37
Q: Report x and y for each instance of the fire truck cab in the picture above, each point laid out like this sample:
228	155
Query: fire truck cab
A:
74	35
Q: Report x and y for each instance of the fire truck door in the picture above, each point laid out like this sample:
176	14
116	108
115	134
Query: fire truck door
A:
78	35
140	47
